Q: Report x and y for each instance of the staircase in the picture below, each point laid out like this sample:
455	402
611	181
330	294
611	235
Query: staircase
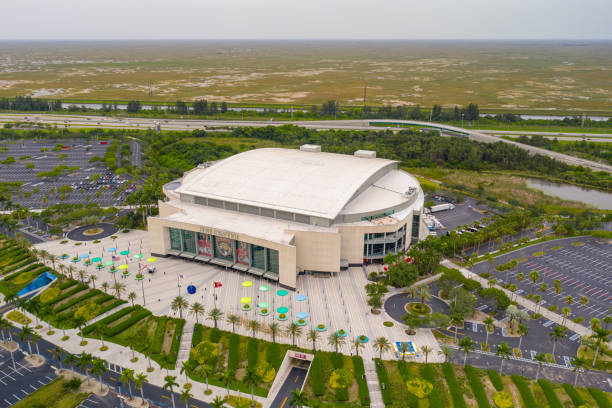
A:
376	400
185	347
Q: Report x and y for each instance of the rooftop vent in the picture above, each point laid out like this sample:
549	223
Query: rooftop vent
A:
310	148
366	154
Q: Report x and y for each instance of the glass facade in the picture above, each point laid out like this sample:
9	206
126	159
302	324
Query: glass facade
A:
175	239
189	244
272	260
377	245
258	257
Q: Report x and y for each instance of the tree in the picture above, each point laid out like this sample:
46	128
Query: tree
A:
218	402
523	330
273	328
215	315
427	350
600	335
179	303
105	287
313	335
566	312
98	367
93	277
557	333
466	344
187	366
26	335
254	325
298	398
119	288
534	276
251	378
61	321
446	351
79	322
503	352
139	381
169	384
82	275
185	395
356	345
196	310
131	297
134	107
335	340
207	370
578	363
204	351
70	360
84	362
489	327
127	376
100	329
382	344
233	320
58	353
584	301
456	320
294	330
540	358
424	294
227	378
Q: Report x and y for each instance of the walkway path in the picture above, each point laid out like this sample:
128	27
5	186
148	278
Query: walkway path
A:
376	400
186	339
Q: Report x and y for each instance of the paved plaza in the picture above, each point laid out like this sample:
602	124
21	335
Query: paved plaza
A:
339	302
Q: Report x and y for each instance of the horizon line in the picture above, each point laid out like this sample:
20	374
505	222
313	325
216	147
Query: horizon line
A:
304	39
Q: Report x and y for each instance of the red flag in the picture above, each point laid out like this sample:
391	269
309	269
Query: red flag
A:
218	284
181	276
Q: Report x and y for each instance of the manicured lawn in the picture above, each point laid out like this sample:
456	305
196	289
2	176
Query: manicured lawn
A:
52	395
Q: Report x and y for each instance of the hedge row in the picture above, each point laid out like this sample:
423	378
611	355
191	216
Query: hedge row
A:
103	299
410	399
109	319
34	266
524	390
385	383
435	396
342	394
233	352
176	339
273	356
362	384
550	393
132	320
111	306
21	261
496	380
196	338
600	397
80	287
479	392
316	374
574	395
215	335
337	360
252	356
76	300
453	386
67	284
158	336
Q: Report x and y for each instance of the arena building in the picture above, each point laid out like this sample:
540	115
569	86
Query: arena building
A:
278	212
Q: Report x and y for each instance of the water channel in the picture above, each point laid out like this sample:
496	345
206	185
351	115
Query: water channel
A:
596	198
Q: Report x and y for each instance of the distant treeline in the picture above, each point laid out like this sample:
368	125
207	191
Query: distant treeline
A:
328	110
582	148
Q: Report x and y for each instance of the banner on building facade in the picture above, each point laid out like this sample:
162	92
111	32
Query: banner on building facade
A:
205	245
223	247
243	255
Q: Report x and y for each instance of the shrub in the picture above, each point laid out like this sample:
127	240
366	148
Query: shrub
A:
358	373
453	386
18	317
176	338
252	355
49	294
68	283
316	370
233	356
435	397
103	299
574	395
337	360
496	380
133	319
600	397
67	294
385	384
273	355
524	390
158	336
477	387
111	306
503	399
340	378
215	335
388	324
109	319
74	301
72	385
550	394
197	335
419	388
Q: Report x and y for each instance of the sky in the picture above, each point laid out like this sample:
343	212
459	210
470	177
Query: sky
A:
305	19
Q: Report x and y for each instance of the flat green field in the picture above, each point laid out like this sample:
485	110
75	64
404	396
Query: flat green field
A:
547	77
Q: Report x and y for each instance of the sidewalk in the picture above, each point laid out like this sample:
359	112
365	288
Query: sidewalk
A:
575	327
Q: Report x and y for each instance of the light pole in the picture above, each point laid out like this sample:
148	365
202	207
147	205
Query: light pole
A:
461	119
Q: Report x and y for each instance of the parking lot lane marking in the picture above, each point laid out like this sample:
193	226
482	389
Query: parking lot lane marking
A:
49	378
8	402
166	397
41	383
24	392
283	404
18	399
33	387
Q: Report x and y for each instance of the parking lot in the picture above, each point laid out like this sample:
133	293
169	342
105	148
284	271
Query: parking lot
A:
582	264
41	192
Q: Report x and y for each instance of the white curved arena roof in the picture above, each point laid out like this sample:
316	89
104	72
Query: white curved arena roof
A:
311	183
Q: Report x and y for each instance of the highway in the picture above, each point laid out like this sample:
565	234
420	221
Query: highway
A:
84	121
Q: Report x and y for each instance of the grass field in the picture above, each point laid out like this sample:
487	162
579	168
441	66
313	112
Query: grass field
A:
528	76
52	395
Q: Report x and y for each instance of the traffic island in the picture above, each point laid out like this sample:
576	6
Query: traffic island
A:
88	384
9	345
35	360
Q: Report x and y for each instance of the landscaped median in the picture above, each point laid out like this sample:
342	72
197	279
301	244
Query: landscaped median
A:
414	385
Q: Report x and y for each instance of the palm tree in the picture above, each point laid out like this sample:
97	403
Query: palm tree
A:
555	334
218	402
254	325
274	329
196	310
127	376
489	327
100	329
584	301
446	351
313	335
215	315
70	360
356	345
520	276
207	370
70	269
185	395
335	340
131	297
61	321
26	335
251	378
298	398
179	303
5	325
382	344
80	322
187	366
426	350
83	362
227	378
540	358
601	336
53	258
466	344
93	277
523	330
294	330
98	368
139	381
169	384
82	274
566	312
58	353
424	294
456	320
503	352
34	306
119	288
534	276
232	319
578	364
105	287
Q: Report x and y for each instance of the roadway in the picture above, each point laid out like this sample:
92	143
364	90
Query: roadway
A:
84	121
294	380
